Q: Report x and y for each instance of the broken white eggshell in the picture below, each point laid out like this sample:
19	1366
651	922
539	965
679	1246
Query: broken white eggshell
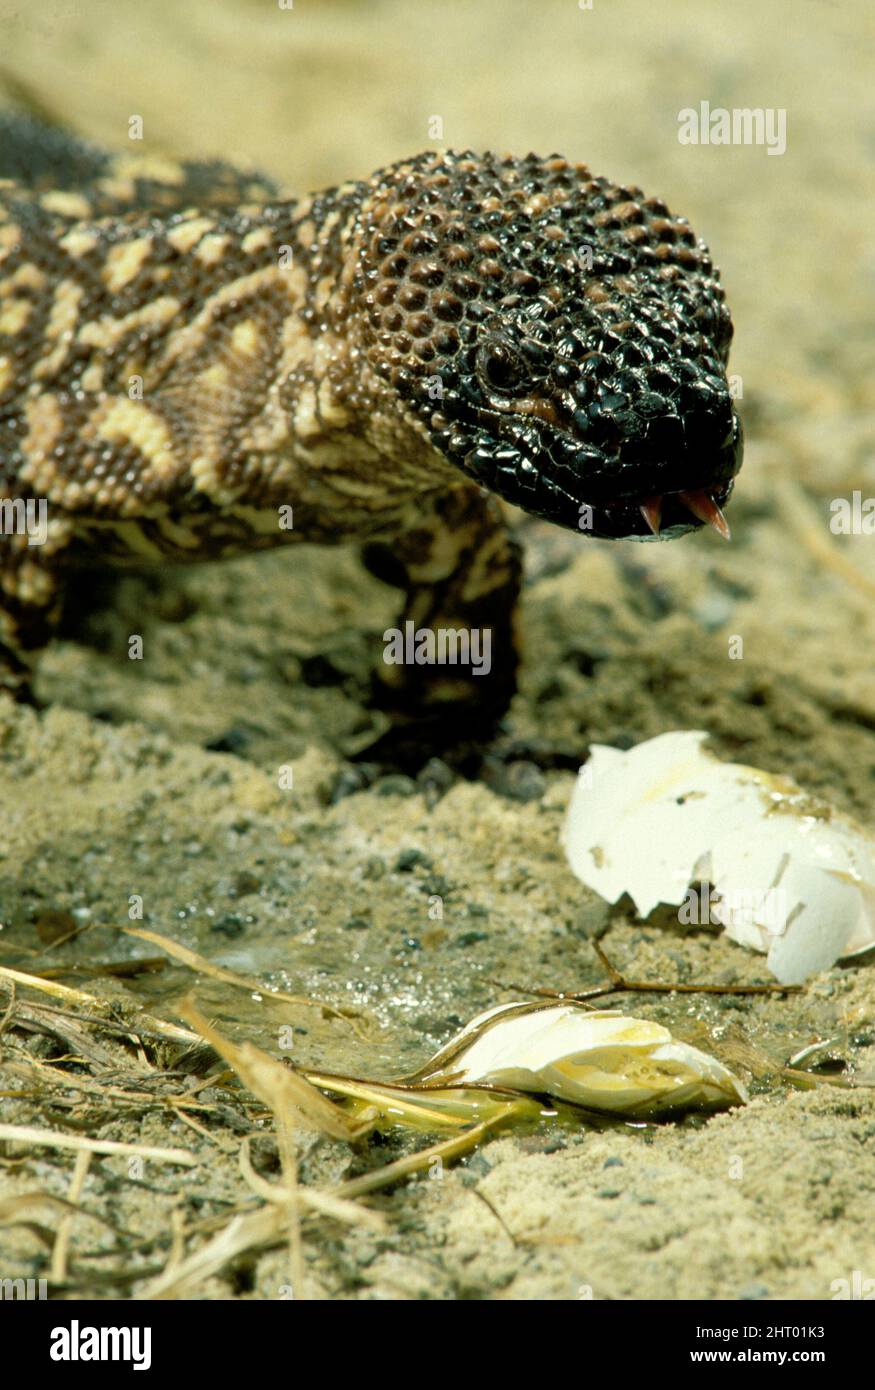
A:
598	1059
793	877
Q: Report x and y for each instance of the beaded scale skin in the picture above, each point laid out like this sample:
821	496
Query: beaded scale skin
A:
183	353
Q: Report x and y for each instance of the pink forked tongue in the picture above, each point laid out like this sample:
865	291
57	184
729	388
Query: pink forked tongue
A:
706	509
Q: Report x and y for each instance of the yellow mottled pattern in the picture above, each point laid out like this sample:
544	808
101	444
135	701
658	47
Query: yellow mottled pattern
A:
214	379
124	421
212	248
26	277
62	322
79	241
65	204
124	262
246	338
145	165
306	422
187	235
257	240
206	474
14	314
106	332
10	236
45	422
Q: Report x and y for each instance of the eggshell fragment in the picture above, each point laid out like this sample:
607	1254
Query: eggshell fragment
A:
598	1059
792	876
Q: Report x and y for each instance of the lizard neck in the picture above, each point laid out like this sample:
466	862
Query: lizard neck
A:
201	365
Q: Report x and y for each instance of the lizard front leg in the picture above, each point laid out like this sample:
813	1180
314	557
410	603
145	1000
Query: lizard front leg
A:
30	604
450	665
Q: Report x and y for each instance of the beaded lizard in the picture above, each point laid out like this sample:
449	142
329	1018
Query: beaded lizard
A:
186	355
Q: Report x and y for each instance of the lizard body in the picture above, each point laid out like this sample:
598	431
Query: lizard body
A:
192	366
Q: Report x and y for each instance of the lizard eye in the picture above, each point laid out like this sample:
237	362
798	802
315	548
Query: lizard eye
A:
499	368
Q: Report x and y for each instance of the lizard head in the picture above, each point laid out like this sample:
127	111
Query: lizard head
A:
563	341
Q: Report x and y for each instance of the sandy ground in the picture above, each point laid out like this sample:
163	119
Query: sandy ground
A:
160	778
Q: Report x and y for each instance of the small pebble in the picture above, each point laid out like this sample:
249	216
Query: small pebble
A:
470	938
520	781
396	784
434	779
53	923
244	884
228	925
410	859
233	740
